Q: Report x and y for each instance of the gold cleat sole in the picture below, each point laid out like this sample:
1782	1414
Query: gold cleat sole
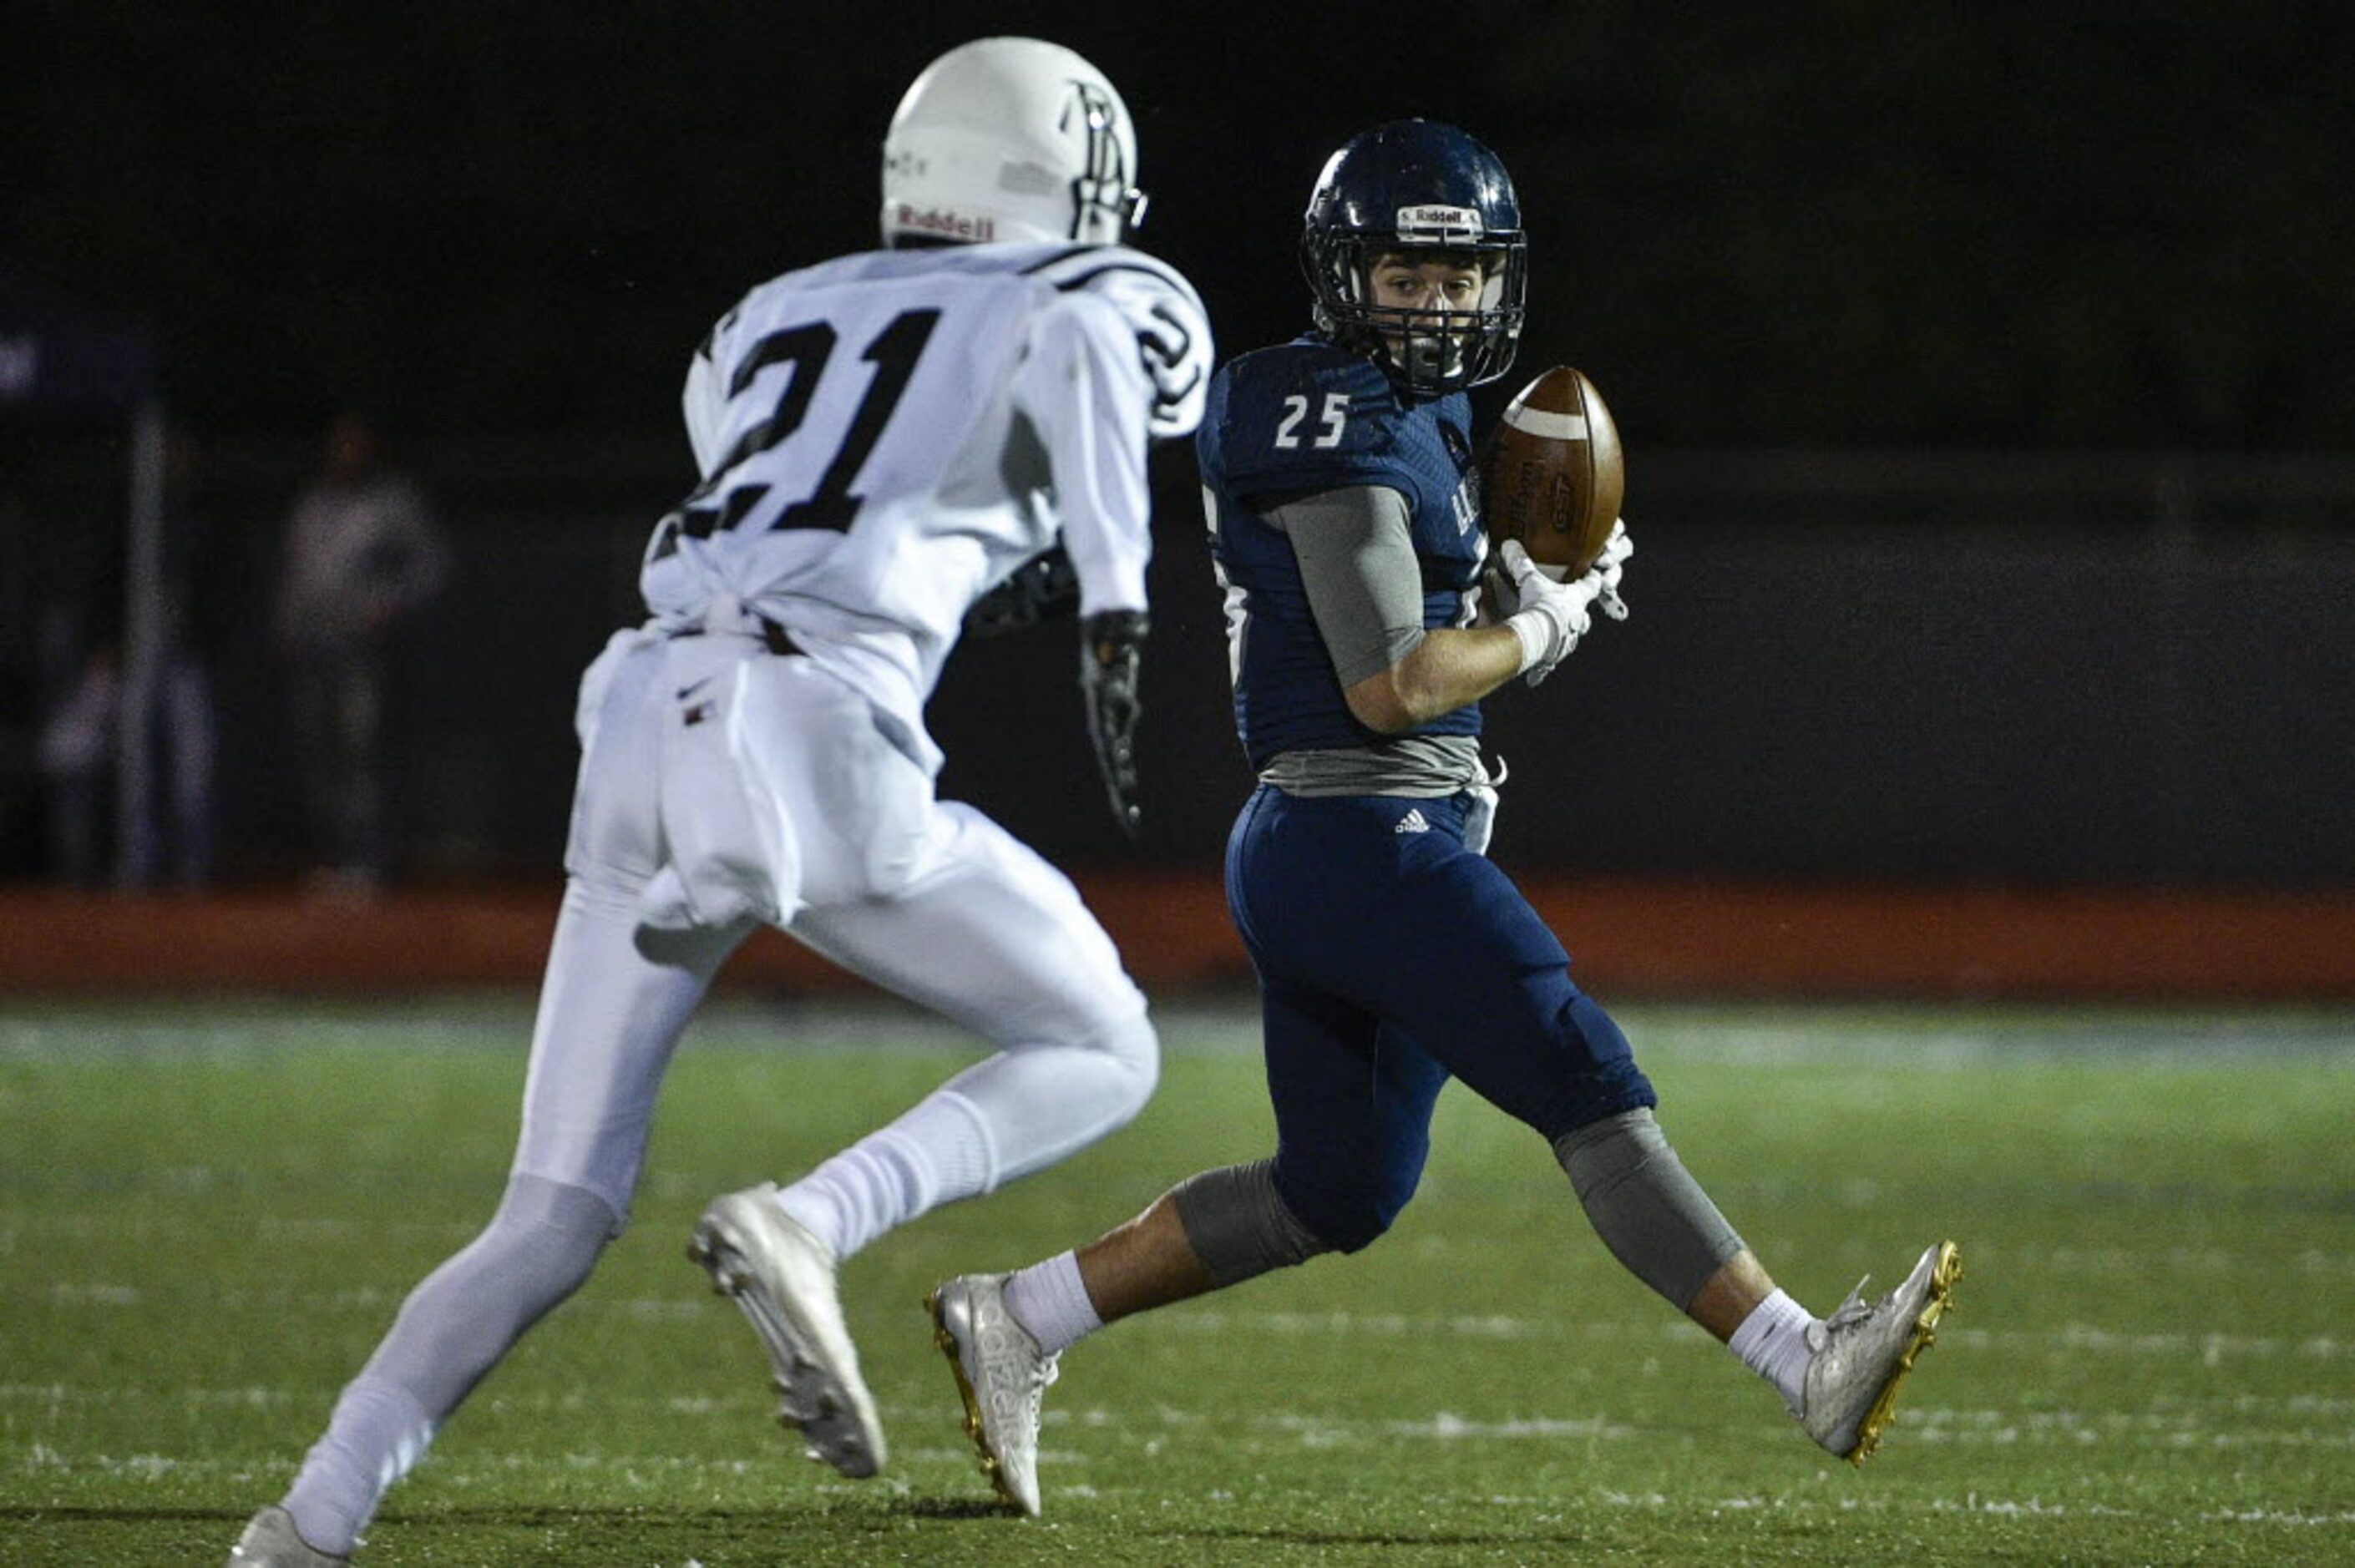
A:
947	1344
1944	1273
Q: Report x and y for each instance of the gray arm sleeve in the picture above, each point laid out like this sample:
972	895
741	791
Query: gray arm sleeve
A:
1357	561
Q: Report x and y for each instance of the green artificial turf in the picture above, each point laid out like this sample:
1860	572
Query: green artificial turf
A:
209	1210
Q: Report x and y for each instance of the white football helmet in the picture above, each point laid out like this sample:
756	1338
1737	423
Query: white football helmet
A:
1010	138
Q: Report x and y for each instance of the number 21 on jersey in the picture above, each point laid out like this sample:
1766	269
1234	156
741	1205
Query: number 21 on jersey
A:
803	351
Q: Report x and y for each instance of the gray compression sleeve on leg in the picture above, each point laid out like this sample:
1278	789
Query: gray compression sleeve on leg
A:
1646	1205
453	1327
1239	1225
456	1326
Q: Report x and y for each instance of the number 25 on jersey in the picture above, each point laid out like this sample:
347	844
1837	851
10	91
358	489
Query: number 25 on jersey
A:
1332	419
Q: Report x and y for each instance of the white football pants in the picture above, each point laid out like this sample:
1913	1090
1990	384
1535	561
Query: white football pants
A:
720	786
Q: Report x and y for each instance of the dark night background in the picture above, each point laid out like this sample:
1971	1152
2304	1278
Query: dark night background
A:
1773	223
1987	375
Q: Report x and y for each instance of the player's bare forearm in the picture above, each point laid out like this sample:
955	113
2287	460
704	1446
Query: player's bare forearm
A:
1449	668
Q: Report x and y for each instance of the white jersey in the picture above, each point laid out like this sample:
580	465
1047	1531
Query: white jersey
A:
885	437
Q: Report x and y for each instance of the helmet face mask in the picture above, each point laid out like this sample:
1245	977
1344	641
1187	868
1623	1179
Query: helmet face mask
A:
1416	190
1010	138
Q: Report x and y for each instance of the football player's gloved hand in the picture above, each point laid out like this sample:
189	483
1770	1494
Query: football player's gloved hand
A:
1111	649
1547	616
1042	588
1606	570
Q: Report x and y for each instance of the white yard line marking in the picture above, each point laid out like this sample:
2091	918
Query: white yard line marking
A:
2208	1348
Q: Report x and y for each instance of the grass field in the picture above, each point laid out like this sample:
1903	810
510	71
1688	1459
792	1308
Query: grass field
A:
209	1212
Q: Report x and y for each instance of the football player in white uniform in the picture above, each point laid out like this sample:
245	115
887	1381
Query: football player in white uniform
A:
886	440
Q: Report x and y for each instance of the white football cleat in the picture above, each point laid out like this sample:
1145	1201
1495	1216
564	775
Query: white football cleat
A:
270	1540
1001	1373
782	1278
1862	1353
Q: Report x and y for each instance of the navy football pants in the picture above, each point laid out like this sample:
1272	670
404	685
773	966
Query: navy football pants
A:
1389	959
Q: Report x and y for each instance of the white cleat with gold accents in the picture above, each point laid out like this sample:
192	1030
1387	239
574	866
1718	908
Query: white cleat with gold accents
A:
1862	1354
1001	1373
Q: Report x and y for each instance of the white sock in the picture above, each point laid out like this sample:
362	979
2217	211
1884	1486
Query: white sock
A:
1773	1342
1050	1300
937	1153
377	1434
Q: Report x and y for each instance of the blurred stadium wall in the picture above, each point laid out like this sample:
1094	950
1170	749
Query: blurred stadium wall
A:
2015	698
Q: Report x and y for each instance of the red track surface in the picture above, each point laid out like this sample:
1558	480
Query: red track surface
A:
1670	939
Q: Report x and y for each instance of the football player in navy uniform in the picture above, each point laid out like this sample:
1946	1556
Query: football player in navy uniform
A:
1338	472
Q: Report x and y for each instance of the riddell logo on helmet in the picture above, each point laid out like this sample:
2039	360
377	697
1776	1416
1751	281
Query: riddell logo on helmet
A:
1440	221
932	220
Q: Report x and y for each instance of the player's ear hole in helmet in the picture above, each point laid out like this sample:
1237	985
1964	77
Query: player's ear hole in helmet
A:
1416	190
1010	138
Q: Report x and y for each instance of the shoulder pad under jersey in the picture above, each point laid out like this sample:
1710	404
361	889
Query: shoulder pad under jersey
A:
1173	333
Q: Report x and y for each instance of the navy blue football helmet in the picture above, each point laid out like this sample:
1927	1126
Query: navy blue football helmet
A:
1409	186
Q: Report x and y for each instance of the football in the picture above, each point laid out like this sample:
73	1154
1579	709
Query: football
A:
1553	475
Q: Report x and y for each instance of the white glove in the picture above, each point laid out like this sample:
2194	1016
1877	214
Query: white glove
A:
1547	616
1606	569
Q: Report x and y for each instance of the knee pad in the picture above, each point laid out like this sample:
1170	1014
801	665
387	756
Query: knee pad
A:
1352	1223
1124	1053
1350	1215
1119	1055
1239	1225
1134	1047
1609	1084
1040	1102
1646	1205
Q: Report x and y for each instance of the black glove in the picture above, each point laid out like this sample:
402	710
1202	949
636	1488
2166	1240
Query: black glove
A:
1112	648
1042	588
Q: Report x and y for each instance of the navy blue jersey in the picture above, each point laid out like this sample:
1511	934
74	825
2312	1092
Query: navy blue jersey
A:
1293	420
